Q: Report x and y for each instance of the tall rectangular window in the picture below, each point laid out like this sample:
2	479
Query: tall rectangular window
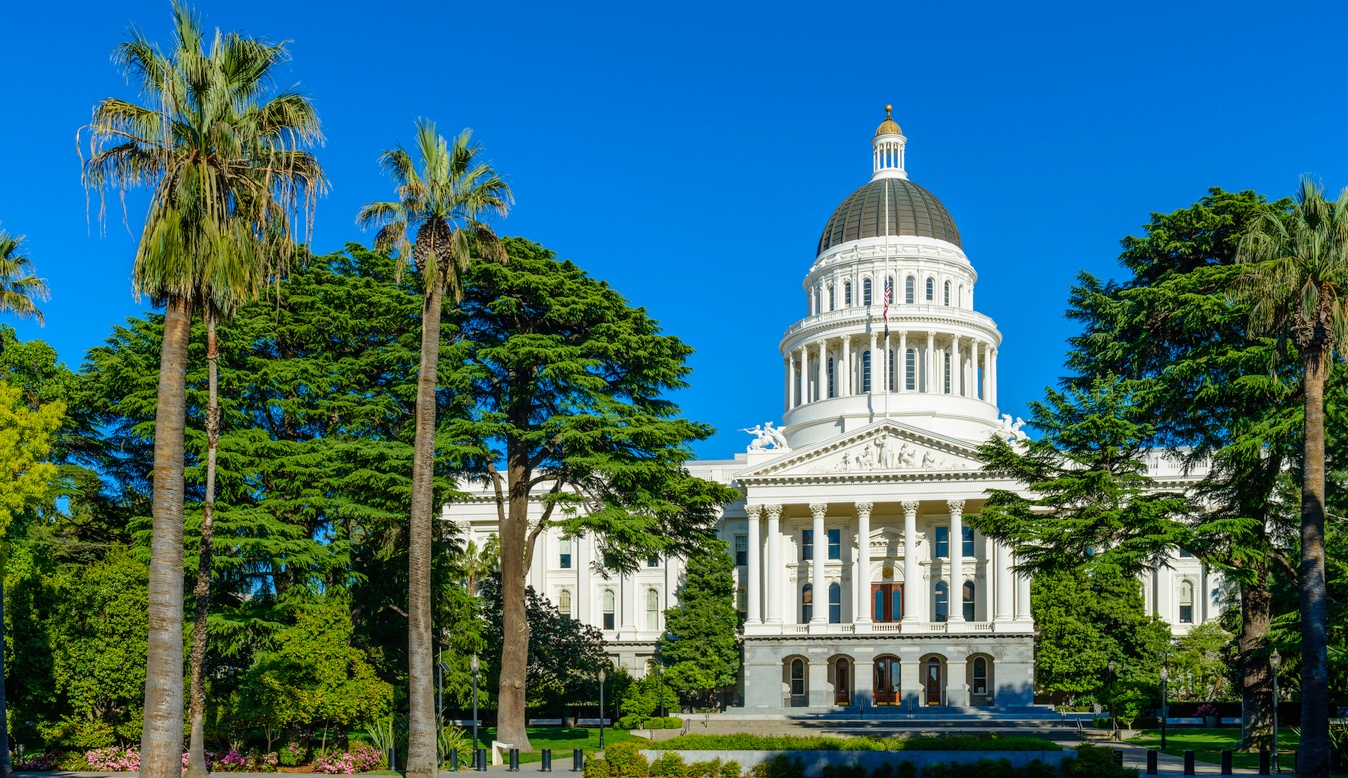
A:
865	372
910	370
942	542
947	373
832	299
653	560
893	380
806	544
832	384
847	293
968	533
866	292
564	553
742	550
835	544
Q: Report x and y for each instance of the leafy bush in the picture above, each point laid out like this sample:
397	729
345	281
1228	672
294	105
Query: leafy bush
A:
987	742
938	770
35	763
990	768
669	765
906	769
710	769
844	771
597	768
629	721
776	766
1038	769
626	760
450	738
113	759
292	754
673	722
76	762
731	769
1095	762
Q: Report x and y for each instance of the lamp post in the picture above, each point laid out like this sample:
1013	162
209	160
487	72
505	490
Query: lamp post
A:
474	665
602	676
1274	662
660	679
440	669
1113	722
1165	676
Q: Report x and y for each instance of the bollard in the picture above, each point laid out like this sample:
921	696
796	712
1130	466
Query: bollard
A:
454	760
1151	761
514	760
1263	761
577	760
482	760
547	760
1189	763
1226	763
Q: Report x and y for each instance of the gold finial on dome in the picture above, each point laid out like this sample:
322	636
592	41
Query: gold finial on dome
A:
889	126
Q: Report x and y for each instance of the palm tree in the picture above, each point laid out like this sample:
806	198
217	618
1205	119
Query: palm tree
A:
227	174
439	202
1296	280
19	288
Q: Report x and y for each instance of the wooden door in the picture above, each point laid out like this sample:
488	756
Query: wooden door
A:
842	682
934	684
886	689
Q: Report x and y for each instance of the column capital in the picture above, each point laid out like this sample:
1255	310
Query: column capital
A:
754	511
818	509
910	507
864	508
774	511
956	507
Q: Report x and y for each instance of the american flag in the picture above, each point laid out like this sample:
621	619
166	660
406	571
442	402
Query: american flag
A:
889	292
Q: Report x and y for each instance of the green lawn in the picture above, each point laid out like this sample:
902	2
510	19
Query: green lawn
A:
1208	744
560	740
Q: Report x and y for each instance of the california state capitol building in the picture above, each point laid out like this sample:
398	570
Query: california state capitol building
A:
860	581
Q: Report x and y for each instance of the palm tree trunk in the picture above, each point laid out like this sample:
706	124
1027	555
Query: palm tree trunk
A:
161	739
1313	756
196	766
421	734
1256	692
6	767
510	698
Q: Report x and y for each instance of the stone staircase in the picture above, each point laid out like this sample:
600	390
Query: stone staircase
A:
1038	720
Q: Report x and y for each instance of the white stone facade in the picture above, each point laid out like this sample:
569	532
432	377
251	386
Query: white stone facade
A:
859	579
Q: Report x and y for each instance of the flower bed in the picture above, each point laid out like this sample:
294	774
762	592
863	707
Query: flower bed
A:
988	742
361	757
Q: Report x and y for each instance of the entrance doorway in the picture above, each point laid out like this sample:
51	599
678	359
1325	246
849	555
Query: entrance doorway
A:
886	691
934	684
886	602
842	682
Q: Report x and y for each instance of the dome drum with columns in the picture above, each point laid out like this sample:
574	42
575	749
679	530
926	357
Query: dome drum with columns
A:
861	584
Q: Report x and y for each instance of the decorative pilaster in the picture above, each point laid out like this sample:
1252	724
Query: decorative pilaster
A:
820	587
844	371
955	580
1005	593
774	572
901	374
913	590
1023	615
956	367
874	361
933	385
861	579
821	374
754	572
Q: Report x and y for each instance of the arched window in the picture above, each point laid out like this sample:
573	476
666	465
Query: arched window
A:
931	290
797	677
960	300
608	609
942	595
1186	602
889	289
968	600
947	373
910	290
832	298
866	291
832	390
865	372
910	370
947	292
896	602
834	604
847	293
980	679
564	553
806	603
878	614
564	601
652	609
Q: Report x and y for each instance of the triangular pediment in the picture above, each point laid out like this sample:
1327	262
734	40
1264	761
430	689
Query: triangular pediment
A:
884	447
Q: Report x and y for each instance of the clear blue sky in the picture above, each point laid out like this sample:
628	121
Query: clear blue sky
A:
690	153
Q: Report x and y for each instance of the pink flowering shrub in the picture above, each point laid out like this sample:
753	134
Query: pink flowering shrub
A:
334	764
34	763
114	759
365	757
1207	709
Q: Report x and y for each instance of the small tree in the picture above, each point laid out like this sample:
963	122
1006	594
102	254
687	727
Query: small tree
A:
700	646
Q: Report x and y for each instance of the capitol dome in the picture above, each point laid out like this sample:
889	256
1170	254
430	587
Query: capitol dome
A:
912	210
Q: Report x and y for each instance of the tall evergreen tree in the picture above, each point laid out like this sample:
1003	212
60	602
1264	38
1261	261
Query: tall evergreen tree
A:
1296	274
441	203
564	389
701	647
224	172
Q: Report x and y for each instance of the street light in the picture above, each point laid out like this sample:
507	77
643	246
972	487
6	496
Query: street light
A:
1165	676
474	665
602	676
1274	662
440	669
1113	723
660	679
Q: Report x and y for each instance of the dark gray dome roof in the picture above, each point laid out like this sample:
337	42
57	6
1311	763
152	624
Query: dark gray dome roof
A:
912	211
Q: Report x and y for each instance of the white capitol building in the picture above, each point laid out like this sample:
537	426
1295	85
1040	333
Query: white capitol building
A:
859	580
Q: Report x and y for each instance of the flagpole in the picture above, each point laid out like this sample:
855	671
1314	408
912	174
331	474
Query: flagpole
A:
889	293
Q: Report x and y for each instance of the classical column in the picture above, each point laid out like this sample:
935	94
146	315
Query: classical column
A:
956	367
861	580
901	374
932	383
821	375
873	353
845	371
773	572
820	592
803	392
912	583
987	372
992	361
1004	593
955	580
1023	598
790	381
754	573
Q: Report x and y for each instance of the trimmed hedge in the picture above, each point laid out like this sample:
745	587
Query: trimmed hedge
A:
985	742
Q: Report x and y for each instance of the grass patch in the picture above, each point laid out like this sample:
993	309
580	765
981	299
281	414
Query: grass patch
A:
1208	745
989	742
561	740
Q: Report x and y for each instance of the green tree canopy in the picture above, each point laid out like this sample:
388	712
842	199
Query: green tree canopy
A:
700	648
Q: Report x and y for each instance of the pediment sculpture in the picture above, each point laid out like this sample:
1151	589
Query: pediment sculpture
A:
767	438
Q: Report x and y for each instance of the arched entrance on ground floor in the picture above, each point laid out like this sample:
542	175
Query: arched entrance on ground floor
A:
841	671
933	674
795	682
979	677
885	684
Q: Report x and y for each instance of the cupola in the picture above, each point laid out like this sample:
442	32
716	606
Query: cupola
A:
888	143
